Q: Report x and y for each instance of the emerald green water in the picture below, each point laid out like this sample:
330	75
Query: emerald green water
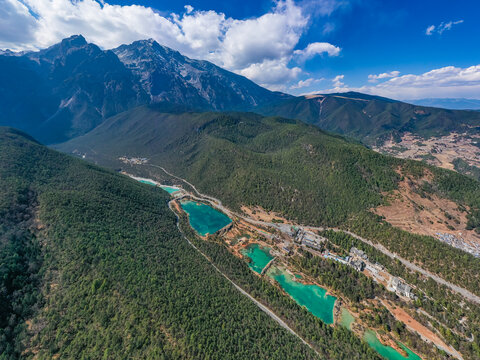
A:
169	189
203	218
313	297
388	352
147	182
259	255
346	319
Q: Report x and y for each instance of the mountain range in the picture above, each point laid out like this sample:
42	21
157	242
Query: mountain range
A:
71	87
68	89
373	119
448	103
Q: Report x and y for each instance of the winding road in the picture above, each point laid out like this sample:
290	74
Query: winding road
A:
285	227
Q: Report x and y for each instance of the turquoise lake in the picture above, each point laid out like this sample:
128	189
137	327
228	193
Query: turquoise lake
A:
147	182
169	189
203	218
206	220
260	256
313	297
388	352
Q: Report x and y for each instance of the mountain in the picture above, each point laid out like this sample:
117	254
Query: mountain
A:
93	266
448	103
168	76
68	89
440	137
373	119
65	90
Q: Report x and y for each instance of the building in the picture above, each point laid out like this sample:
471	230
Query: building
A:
357	252
328	255
357	264
311	244
287	249
401	288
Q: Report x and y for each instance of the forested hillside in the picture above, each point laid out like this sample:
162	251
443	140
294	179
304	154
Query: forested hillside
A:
93	266
293	169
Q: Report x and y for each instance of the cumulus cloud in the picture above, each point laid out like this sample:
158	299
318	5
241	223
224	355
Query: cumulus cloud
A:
270	36
337	81
318	48
17	26
386	75
444	26
305	83
449	81
272	73
259	47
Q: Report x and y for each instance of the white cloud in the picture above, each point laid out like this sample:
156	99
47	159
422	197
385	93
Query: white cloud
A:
17	25
305	83
253	47
268	37
323	7
328	28
442	27
430	30
200	32
318	48
386	75
448	26
337	81
449	81
272	73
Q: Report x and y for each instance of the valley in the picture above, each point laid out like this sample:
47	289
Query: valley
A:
274	175
87	251
258	241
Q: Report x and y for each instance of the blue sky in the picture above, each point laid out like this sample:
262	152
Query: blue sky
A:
400	49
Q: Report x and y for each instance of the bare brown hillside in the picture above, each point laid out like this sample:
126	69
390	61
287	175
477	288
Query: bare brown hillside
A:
412	210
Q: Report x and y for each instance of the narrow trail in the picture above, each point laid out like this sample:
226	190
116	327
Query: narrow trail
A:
243	292
284	227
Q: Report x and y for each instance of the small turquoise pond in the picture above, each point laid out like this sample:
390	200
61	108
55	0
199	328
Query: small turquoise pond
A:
203	218
169	189
346	318
259	255
313	297
388	352
147	182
